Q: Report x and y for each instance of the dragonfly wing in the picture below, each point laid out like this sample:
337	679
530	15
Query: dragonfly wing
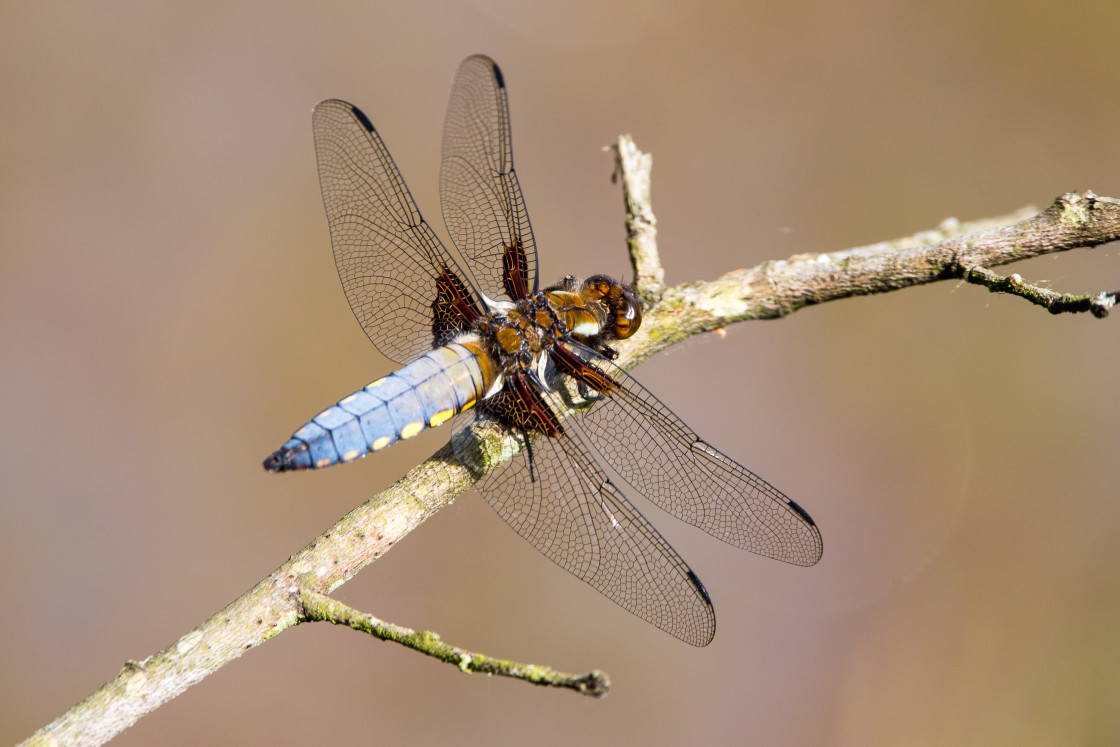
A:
653	450
555	495
390	262
482	202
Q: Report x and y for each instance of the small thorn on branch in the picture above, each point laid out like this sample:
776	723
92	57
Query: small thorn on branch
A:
318	607
1056	303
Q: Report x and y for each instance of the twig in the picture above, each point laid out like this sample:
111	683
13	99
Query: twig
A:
634	167
320	607
1055	303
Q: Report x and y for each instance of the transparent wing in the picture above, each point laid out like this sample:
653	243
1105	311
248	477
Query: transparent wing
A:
387	256
653	450
559	500
482	202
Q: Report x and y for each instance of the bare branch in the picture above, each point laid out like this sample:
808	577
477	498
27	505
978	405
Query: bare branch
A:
1055	303
634	167
320	607
773	289
267	609
777	288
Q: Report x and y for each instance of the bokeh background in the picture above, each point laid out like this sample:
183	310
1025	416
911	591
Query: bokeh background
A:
169	313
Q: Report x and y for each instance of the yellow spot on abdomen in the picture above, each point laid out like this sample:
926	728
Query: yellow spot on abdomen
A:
322	462
381	443
440	417
350	455
412	429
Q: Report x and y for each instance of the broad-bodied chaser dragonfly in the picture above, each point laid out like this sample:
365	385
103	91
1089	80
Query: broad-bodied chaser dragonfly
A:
523	359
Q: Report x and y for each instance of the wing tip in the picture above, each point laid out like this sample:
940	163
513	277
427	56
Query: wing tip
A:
813	557
707	631
363	120
487	61
802	513
699	586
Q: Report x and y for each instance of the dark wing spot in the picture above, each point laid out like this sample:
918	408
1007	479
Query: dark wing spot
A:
802	513
699	586
361	117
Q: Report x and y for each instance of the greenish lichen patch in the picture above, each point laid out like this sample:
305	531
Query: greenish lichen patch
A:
722	300
1076	209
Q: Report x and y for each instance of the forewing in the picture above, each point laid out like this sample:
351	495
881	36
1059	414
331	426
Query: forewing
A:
387	256
653	450
482	202
559	500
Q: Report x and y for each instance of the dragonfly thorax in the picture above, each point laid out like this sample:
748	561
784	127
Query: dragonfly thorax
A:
519	336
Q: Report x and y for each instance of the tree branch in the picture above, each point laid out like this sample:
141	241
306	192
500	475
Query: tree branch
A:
295	592
322	608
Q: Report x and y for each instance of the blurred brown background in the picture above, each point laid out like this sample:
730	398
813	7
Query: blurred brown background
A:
169	313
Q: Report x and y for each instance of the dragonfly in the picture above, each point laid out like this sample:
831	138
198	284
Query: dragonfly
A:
481	342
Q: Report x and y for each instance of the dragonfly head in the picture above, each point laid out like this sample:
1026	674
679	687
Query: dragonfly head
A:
624	308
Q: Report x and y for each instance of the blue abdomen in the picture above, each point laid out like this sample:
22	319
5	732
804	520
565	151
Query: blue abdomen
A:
425	393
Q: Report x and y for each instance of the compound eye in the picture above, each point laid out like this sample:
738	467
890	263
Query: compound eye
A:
627	315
